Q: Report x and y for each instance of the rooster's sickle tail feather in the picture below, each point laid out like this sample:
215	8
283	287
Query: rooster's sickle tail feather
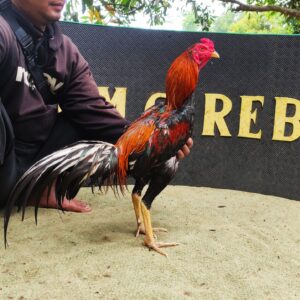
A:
68	169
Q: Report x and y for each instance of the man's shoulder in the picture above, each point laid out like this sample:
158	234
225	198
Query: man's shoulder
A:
62	40
67	41
69	46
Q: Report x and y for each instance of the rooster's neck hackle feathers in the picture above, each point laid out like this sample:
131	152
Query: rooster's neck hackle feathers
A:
181	80
182	76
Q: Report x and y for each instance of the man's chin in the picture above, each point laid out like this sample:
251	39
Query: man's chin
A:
54	17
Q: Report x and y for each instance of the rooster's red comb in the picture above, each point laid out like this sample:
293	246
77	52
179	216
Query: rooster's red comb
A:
208	42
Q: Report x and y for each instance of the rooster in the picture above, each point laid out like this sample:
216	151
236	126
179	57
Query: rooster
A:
146	151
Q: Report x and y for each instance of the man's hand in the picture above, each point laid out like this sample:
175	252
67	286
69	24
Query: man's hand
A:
185	150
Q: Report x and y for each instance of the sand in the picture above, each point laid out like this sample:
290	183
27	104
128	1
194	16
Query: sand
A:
233	245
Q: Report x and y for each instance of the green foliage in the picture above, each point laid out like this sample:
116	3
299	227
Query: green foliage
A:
292	22
123	11
198	14
189	24
203	13
260	23
116	11
251	23
223	22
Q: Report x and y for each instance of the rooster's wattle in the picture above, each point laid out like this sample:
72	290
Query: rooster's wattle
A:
146	151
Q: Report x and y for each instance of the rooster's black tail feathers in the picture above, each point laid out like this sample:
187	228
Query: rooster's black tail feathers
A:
68	169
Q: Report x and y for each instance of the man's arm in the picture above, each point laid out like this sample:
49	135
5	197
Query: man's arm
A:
83	105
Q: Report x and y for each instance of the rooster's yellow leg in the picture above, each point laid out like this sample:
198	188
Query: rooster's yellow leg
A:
136	200
149	239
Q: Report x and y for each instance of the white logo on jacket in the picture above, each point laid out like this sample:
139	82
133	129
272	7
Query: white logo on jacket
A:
54	86
24	76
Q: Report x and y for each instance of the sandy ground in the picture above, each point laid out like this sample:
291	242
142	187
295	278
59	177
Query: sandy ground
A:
233	245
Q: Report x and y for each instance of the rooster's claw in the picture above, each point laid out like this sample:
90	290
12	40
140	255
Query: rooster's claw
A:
156	246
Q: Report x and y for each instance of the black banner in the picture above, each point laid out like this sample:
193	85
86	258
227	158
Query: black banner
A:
248	102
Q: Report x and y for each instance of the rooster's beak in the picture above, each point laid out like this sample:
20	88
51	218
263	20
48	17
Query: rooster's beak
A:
215	54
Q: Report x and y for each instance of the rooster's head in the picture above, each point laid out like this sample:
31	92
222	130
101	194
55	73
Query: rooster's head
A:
202	52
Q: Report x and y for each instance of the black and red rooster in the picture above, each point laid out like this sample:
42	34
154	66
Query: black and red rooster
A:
146	151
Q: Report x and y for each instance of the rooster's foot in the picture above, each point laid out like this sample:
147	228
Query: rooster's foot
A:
156	246
141	230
